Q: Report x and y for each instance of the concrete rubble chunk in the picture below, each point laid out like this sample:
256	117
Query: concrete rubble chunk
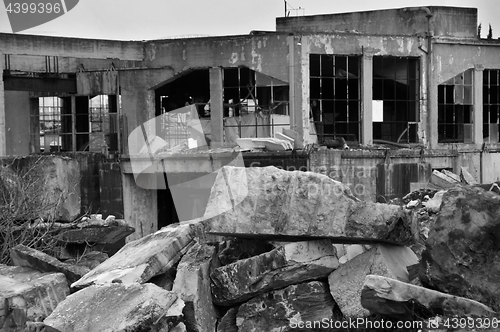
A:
279	205
386	296
115	307
140	260
192	284
462	253
35	259
443	180
27	295
289	264
96	234
466	177
228	322
347	281
285	309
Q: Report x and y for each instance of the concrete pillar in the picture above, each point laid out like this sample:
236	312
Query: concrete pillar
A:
367	99
216	106
140	208
477	121
432	105
3	144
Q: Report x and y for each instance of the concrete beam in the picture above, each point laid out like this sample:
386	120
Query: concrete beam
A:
477	131
71	47
366	100
216	106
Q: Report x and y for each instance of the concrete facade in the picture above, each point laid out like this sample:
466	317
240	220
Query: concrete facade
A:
427	46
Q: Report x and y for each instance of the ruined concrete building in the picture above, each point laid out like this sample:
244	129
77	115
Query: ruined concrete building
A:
411	90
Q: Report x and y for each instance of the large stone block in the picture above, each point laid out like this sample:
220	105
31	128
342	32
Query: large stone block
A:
462	255
192	284
140	260
274	204
115	307
289	264
35	259
286	309
347	281
386	296
28	295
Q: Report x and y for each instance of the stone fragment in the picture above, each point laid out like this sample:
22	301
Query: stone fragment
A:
433	204
442	180
27	295
35	259
228	322
114	307
97	234
237	249
278	205
466	177
286	309
289	264
462	255
142	259
386	296
347	281
192	284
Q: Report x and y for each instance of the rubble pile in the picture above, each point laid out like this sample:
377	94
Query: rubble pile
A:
277	250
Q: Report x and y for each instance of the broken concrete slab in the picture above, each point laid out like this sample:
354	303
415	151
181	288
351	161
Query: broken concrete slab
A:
35	259
96	234
386	296
466	177
140	260
289	264
114	307
442	180
192	284
228	322
346	281
462	255
27	295
297	138
286	309
277	205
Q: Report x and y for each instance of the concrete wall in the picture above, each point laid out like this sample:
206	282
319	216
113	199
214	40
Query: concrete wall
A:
446	21
17	120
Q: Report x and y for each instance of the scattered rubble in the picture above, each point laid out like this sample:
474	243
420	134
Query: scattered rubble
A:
35	259
394	298
462	255
228	271
286	265
281	310
346	282
27	295
116	307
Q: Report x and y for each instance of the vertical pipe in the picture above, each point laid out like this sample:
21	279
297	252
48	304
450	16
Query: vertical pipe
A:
291	80
73	123
3	145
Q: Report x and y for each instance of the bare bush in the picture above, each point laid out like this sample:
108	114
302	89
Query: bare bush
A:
23	200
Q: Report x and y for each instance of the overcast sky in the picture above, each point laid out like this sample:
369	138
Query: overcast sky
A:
156	19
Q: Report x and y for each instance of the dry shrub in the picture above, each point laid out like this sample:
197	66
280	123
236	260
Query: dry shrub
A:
23	200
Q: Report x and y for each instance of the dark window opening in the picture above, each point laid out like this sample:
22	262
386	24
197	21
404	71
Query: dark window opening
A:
334	97
455	107
255	105
491	105
93	126
395	102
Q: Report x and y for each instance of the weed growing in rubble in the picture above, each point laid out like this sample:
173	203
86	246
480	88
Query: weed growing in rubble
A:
24	198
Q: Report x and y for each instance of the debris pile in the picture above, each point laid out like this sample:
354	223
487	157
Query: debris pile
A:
278	250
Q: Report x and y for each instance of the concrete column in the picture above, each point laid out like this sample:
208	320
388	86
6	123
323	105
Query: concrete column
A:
477	121
216	106
432	105
366	99
140	208
3	144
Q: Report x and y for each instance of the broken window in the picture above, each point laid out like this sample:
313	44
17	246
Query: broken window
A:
91	124
491	105
255	105
455	106
335	96
395	99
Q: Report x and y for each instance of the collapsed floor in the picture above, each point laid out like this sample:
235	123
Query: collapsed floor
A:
276	251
